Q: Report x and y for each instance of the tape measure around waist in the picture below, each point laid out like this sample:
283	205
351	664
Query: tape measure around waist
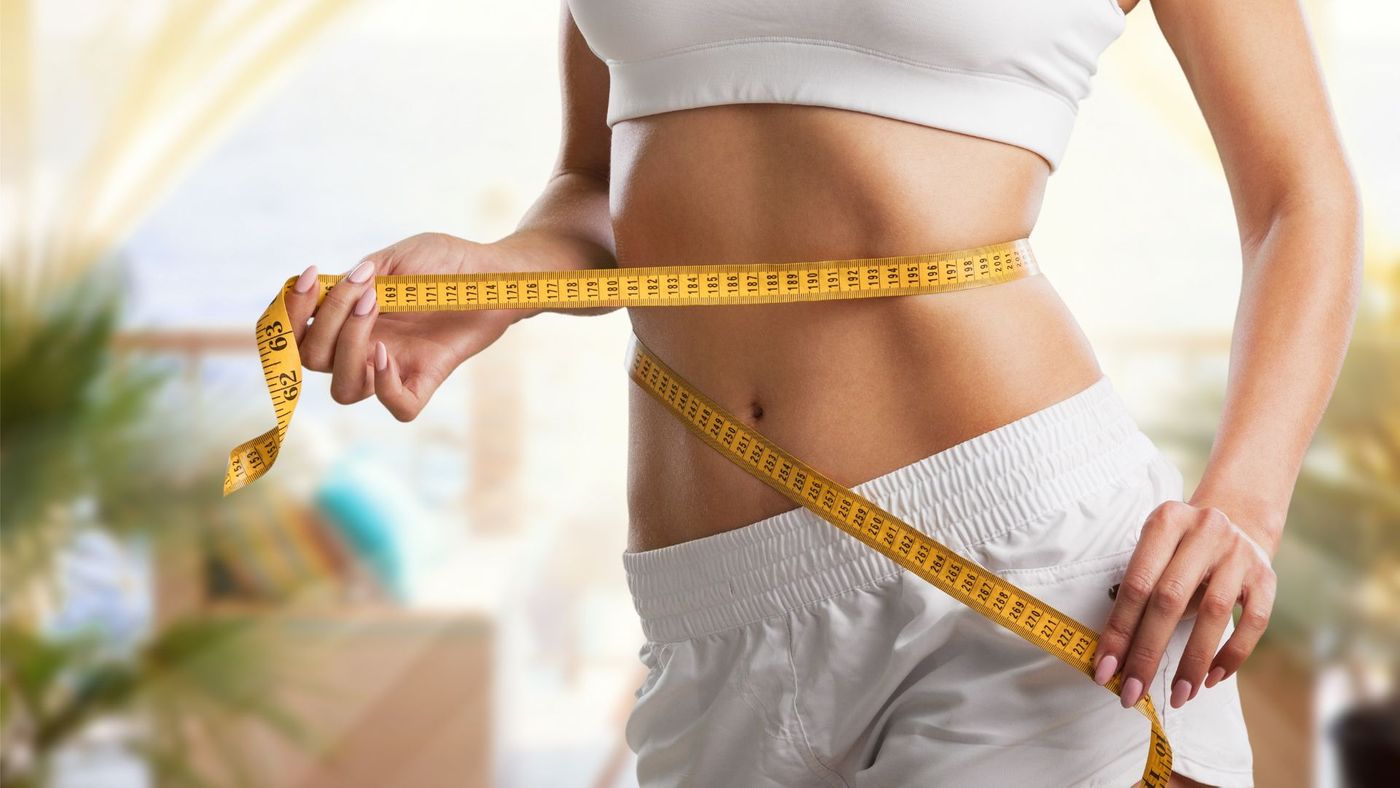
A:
702	285
716	285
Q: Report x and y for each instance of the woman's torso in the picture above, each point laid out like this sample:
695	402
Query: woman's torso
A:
772	183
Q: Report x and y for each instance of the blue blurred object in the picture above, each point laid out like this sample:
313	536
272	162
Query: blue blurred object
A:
367	521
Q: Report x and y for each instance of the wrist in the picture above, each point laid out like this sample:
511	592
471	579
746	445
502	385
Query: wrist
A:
1261	518
539	249
543	249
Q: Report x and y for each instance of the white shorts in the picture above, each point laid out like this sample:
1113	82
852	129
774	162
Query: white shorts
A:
787	653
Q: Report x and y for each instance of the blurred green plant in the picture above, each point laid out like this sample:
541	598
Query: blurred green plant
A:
187	683
92	440
89	439
70	425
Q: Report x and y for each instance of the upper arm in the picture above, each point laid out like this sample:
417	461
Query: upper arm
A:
1251	66
585	140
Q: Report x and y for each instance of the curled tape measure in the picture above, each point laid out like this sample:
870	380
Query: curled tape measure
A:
761	283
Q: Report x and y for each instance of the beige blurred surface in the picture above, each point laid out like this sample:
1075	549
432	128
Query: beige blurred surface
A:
392	698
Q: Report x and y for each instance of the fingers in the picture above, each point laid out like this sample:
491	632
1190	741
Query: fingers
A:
351	376
1181	546
1171	594
1259	591
1212	617
403	398
1160	537
319	344
301	302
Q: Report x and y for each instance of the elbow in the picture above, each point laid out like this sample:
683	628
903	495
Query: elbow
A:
1317	226
1321	212
1340	221
1341	213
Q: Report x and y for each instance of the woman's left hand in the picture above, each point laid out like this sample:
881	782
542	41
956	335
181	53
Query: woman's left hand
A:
1188	558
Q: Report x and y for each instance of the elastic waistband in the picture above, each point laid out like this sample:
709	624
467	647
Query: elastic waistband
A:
965	495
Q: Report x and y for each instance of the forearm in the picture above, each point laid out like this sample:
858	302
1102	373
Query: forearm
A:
568	228
1296	308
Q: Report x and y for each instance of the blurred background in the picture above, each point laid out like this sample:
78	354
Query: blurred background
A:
400	604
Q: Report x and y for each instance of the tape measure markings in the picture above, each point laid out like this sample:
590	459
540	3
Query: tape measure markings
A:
748	283
725	284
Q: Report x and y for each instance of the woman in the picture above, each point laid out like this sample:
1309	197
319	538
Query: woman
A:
781	651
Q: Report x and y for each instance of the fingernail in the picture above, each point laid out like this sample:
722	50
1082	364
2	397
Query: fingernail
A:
306	280
366	303
1215	675
362	272
381	356
1107	667
1181	692
1132	690
1194	689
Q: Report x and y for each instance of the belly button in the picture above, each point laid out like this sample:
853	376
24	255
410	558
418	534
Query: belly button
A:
755	411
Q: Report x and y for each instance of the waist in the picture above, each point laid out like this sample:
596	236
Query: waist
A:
856	388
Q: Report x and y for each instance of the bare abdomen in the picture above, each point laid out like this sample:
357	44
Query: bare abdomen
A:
856	388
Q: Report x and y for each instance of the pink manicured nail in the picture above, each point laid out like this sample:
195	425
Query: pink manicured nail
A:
306	280
366	303
1216	674
362	272
1107	666
381	356
1181	692
1132	691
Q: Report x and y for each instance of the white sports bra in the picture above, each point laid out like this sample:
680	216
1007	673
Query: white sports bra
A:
1007	70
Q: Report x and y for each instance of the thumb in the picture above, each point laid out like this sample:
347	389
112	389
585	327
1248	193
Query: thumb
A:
402	395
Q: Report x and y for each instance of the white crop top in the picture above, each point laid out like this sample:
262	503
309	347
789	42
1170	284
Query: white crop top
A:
1008	70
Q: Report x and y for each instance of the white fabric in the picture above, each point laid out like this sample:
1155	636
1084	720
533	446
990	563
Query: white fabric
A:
1008	70
787	653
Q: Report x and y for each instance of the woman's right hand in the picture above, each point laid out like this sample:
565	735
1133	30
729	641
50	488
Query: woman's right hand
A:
401	358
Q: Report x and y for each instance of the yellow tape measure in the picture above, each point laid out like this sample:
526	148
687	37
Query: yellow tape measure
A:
759	283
